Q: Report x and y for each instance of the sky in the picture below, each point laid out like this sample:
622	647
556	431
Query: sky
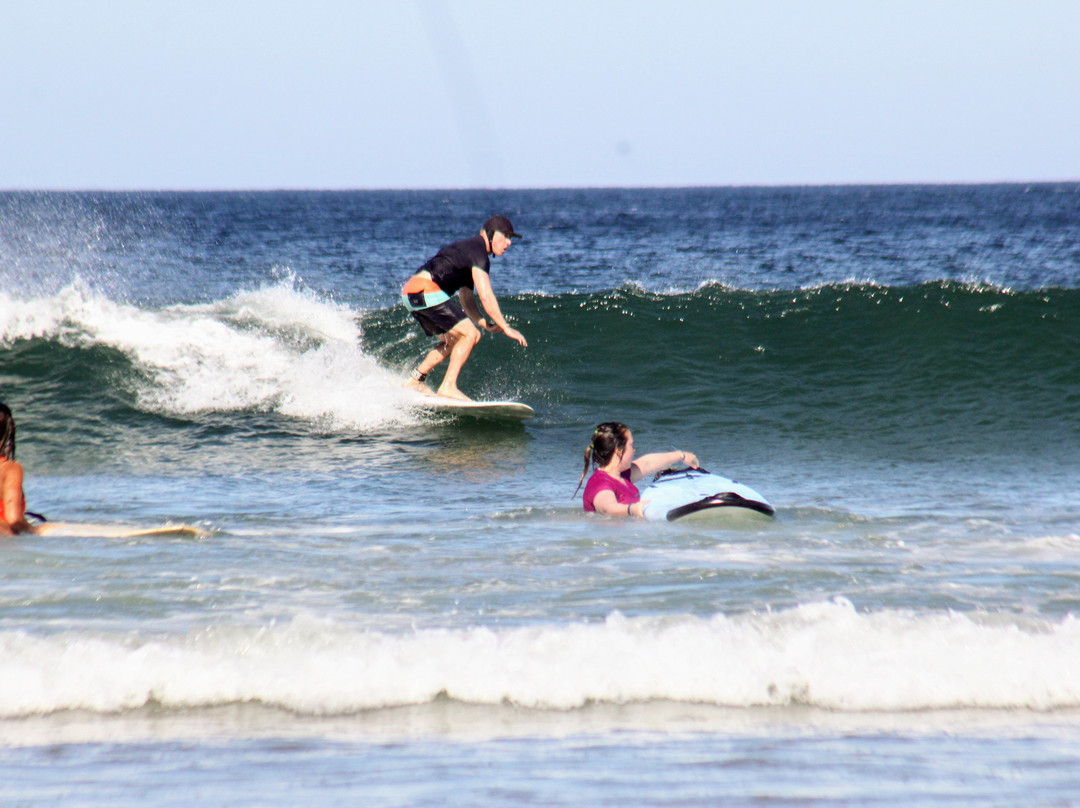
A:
359	94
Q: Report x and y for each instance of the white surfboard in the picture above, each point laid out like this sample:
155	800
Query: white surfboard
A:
696	495
99	531
501	410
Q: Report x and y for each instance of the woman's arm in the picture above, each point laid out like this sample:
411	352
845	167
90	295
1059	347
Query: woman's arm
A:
14	518
649	464
606	502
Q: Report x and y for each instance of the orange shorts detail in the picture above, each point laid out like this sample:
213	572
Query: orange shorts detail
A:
420	283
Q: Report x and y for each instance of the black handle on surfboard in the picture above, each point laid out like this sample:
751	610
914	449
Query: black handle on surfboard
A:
672	470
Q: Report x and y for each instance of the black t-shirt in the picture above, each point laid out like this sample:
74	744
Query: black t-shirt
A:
451	267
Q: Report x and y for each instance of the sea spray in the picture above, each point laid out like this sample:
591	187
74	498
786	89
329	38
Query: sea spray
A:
273	349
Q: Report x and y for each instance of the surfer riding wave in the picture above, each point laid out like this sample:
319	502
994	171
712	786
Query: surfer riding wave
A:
460	268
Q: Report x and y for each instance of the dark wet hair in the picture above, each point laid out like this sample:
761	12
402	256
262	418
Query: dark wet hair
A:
608	438
7	432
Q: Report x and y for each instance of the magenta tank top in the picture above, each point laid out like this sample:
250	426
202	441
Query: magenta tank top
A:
626	492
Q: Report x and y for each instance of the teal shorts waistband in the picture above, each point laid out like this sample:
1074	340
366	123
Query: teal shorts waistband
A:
429	299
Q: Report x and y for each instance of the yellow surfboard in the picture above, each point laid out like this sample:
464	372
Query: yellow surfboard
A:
90	530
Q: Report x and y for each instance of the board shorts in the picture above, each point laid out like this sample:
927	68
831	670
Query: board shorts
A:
440	318
435	310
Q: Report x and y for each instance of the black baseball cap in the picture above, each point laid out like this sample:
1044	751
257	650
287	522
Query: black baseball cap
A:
502	224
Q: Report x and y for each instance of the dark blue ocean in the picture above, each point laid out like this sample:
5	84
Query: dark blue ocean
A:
395	608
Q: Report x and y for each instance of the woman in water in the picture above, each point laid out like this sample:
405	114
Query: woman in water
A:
12	500
610	489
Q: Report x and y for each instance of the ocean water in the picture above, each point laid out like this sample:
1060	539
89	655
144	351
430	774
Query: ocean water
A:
390	608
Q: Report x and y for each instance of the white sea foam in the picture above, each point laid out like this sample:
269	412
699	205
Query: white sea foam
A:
273	349
824	655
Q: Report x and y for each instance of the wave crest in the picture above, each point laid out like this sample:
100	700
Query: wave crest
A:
802	656
273	349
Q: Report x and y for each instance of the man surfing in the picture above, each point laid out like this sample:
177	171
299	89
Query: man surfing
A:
463	268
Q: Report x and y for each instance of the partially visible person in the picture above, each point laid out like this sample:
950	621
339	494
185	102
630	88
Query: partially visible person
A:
12	499
459	268
611	490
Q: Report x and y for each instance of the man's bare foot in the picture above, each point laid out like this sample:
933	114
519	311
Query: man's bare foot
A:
419	387
453	392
